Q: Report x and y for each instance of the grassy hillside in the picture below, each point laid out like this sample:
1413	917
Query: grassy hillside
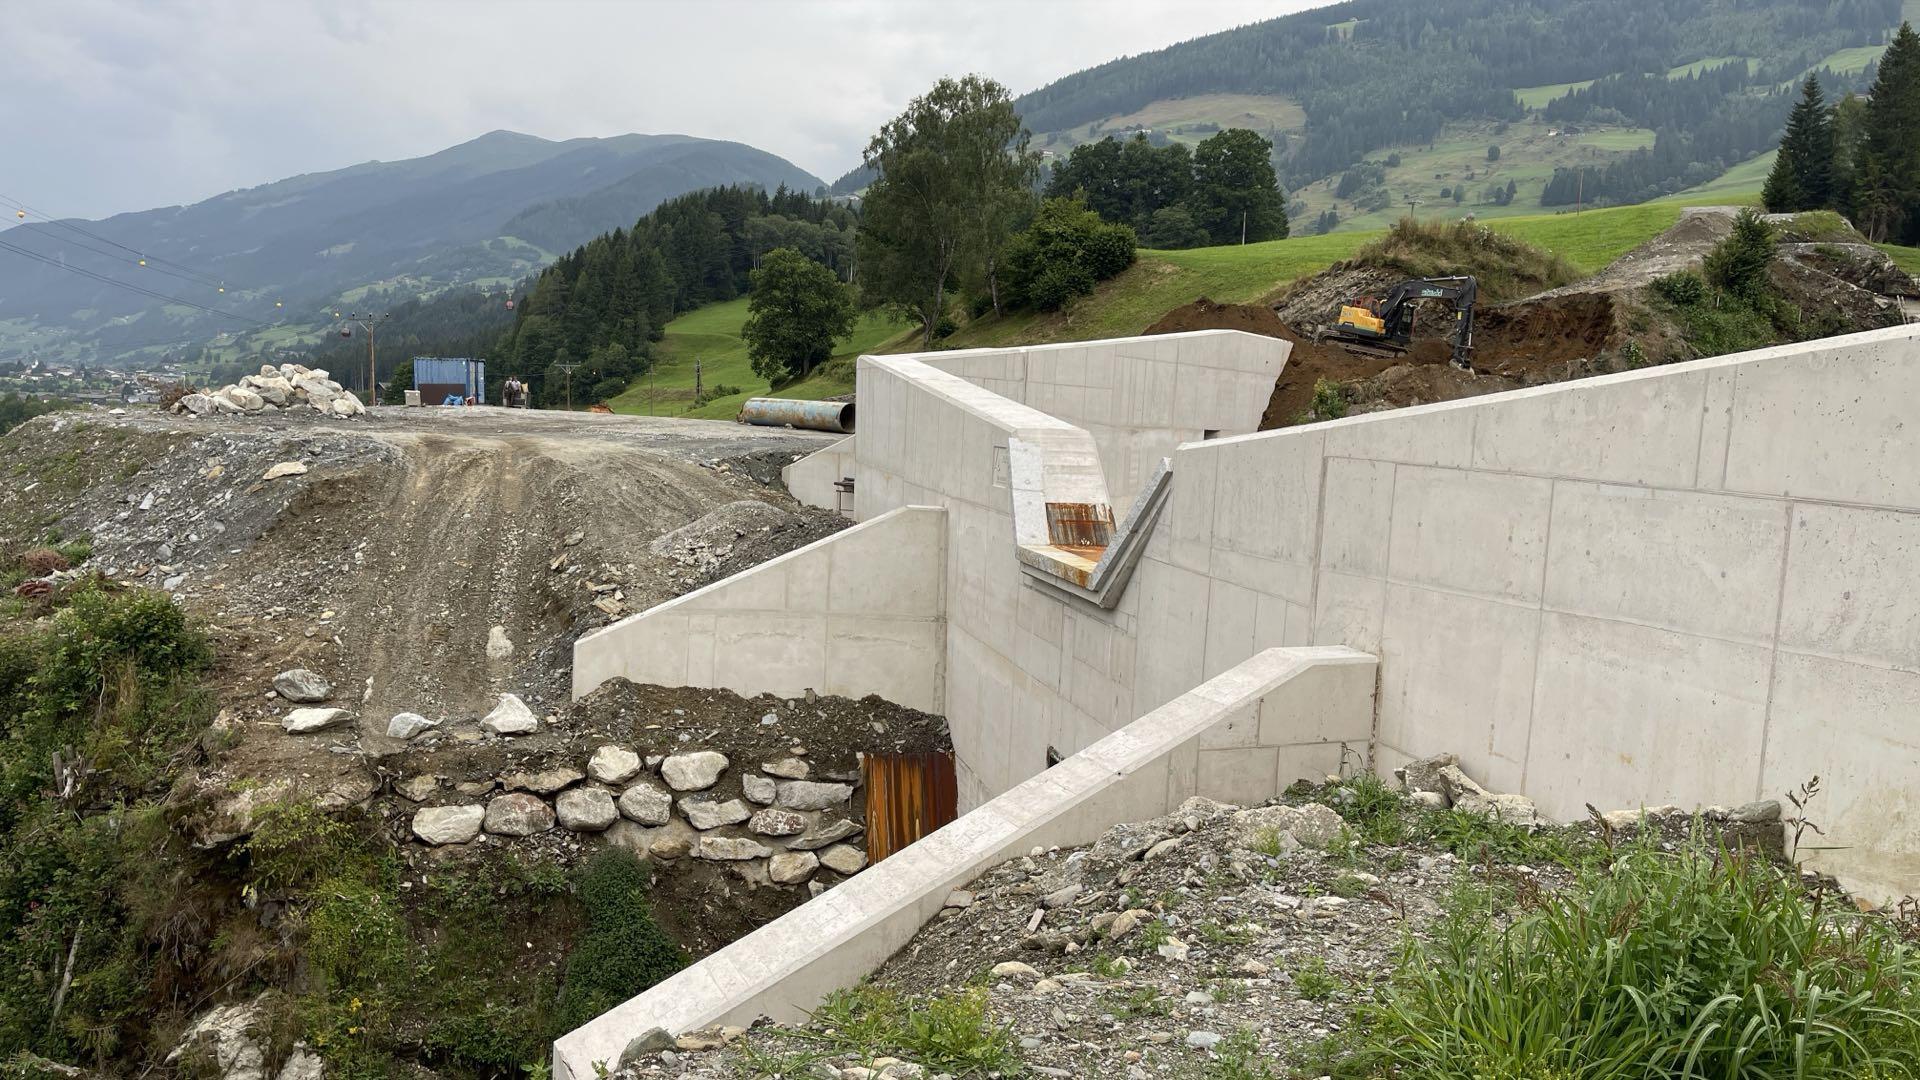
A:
1185	119
1737	186
1908	258
1530	150
711	336
1164	280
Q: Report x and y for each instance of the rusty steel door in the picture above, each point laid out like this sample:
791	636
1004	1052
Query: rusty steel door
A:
908	796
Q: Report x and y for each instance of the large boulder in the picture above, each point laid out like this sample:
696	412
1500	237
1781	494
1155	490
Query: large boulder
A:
696	771
730	849
197	404
646	805
448	824
546	781
519	814
302	687
792	867
511	717
586	809
707	814
812	795
1313	825
232	1038
772	822
613	764
407	724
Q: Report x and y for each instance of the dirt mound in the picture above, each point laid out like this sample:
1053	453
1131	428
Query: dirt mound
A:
1607	323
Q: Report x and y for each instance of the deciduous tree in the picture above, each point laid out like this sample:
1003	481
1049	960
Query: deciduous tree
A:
796	310
952	174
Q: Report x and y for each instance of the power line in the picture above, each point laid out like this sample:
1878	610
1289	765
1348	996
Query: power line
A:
38	228
207	279
140	289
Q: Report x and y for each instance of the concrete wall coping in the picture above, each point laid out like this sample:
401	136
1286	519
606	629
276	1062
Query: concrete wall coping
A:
788	966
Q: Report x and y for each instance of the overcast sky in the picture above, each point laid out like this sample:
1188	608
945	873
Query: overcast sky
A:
117	105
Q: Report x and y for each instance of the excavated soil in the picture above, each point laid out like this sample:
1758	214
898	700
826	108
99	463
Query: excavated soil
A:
1596	326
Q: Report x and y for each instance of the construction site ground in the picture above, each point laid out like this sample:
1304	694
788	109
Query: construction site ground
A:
395	543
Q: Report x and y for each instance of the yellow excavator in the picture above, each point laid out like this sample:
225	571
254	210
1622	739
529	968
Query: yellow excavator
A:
1384	326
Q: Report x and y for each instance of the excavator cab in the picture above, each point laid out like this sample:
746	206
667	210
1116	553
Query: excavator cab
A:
1384	326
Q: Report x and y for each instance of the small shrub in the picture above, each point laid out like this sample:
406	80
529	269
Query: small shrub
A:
950	1032
944	328
621	951
1329	401
1738	264
1313	981
42	561
1682	289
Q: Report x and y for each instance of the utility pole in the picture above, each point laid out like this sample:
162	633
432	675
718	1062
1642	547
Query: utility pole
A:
696	380
368	321
1243	228
568	370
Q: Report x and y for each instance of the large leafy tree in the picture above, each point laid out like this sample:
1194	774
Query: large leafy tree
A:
1235	194
796	310
953	175
1802	176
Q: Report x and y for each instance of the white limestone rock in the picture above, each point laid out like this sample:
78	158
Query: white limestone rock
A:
646	805
706	814
792	867
448	824
730	849
1313	824
302	687
511	717
546	781
307	721
812	795
790	768
586	809
760	790
843	859
697	771
284	468
519	814
613	764
407	724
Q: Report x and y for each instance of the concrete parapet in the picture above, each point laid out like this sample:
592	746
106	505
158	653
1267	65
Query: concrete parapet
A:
859	612
1241	737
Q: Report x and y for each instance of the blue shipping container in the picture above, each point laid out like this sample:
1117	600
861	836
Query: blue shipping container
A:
448	380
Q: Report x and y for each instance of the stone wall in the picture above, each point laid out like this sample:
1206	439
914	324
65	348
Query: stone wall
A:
788	966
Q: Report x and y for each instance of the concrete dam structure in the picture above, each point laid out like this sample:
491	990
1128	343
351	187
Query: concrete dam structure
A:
1687	585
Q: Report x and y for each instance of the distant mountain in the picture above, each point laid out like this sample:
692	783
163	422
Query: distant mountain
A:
566	223
1711	80
313	241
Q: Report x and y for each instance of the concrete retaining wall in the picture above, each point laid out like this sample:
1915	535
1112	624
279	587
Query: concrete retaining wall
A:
1221	739
1683	585
860	612
812	479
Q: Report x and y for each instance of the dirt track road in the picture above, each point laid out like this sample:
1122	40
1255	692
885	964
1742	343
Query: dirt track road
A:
411	535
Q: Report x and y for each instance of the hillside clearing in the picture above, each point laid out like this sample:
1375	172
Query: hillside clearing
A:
1185	119
1537	97
711	337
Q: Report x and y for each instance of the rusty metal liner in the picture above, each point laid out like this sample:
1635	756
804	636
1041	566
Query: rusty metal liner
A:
811	415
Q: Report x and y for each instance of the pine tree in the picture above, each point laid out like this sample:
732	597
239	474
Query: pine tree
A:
1889	189
1802	177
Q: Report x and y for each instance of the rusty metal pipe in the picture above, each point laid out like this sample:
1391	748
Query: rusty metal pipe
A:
788	412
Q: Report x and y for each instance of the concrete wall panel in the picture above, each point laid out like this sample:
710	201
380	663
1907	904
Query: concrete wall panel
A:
1647	716
1481	533
1704	564
1852	579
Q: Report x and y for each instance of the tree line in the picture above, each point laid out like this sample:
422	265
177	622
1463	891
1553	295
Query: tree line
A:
590	319
1860	156
1221	192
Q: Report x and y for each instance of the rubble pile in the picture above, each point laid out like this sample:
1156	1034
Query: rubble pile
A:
289	386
